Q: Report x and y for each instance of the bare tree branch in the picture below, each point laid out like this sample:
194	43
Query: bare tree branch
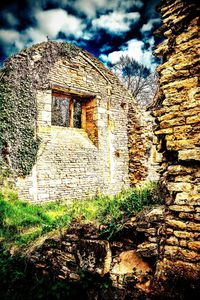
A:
137	78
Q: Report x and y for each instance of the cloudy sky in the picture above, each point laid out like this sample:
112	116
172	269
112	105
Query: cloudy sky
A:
106	28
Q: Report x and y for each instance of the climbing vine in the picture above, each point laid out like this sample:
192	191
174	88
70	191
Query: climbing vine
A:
17	120
22	75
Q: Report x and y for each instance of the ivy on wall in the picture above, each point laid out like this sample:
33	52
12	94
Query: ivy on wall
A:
22	75
17	120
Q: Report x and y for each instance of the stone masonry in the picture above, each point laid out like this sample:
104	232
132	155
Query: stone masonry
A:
143	157
177	114
127	260
78	163
157	252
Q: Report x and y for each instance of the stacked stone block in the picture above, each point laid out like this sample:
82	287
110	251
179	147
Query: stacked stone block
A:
137	146
143	158
128	262
178	117
80	163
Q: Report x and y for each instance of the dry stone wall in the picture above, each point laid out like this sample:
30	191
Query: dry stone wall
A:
143	157
126	262
177	114
138	146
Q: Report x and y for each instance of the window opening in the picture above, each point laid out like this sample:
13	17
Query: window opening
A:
60	111
67	110
77	113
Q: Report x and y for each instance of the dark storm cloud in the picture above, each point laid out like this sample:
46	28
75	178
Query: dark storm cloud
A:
107	28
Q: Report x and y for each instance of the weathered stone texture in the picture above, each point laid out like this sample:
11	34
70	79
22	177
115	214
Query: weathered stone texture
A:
77	163
125	261
132	260
178	117
112	147
143	157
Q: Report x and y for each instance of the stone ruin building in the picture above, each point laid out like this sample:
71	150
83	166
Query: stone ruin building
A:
77	112
166	238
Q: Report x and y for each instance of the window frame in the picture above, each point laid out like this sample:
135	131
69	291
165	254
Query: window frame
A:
89	111
71	98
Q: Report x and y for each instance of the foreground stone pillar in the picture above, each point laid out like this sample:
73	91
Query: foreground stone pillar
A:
177	114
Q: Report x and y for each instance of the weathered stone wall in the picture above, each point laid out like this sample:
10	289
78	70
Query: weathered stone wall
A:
104	156
126	261
80	163
143	157
138	146
178	118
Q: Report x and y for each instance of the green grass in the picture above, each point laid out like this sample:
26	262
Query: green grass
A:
22	222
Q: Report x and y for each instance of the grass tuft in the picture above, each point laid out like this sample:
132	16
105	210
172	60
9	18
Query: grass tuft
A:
22	222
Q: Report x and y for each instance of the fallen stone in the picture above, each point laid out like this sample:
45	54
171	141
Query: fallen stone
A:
130	262
144	287
94	256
